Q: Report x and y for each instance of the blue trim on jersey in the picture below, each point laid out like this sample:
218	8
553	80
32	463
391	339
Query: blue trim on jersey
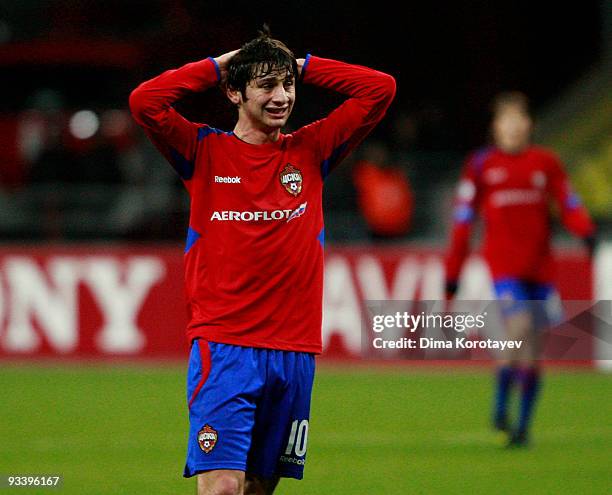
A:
217	70
321	237
463	214
327	164
480	157
306	61
192	237
207	131
572	201
182	166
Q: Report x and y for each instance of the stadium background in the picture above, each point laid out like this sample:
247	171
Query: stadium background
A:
92	223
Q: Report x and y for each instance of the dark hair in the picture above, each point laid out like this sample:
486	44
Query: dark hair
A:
259	57
509	98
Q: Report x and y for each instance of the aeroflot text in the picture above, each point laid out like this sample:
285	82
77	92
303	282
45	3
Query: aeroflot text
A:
250	216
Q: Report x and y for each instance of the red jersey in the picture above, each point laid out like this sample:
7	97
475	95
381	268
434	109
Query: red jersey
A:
254	253
512	193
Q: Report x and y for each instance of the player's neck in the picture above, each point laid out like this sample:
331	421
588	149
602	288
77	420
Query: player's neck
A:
514	149
254	135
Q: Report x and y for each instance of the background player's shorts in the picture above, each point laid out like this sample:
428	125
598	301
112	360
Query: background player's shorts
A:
542	300
248	409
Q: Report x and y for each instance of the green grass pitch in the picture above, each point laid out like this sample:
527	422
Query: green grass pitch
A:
121	430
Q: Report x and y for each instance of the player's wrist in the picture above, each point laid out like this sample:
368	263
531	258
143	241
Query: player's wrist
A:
222	63
302	64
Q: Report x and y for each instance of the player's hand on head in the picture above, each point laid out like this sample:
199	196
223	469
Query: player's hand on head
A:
300	64
223	62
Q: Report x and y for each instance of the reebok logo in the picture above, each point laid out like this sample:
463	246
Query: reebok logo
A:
292	460
228	180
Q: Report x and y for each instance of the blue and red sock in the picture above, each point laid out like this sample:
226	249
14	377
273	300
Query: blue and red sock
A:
506	376
530	385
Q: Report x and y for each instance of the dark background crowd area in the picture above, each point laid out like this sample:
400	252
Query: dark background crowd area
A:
73	165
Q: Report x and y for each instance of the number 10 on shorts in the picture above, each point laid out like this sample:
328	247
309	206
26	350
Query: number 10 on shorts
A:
298	438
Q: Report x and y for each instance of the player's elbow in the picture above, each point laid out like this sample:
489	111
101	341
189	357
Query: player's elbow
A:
385	89
388	87
137	103
140	106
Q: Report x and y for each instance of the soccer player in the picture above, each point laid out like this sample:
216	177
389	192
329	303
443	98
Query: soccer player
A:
510	185
254	251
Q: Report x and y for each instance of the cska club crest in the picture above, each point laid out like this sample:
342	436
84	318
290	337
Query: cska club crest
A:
291	179
207	438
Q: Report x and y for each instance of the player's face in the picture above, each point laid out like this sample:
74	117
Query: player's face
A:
269	100
512	129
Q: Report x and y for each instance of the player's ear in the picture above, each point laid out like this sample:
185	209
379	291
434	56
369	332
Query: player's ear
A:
234	95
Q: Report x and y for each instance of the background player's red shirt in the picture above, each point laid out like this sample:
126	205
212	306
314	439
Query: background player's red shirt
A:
254	254
512	193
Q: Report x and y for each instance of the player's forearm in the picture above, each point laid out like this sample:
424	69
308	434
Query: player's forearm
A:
578	222
375	90
457	252
150	101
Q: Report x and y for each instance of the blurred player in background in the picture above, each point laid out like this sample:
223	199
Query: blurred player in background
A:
254	254
384	194
510	184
